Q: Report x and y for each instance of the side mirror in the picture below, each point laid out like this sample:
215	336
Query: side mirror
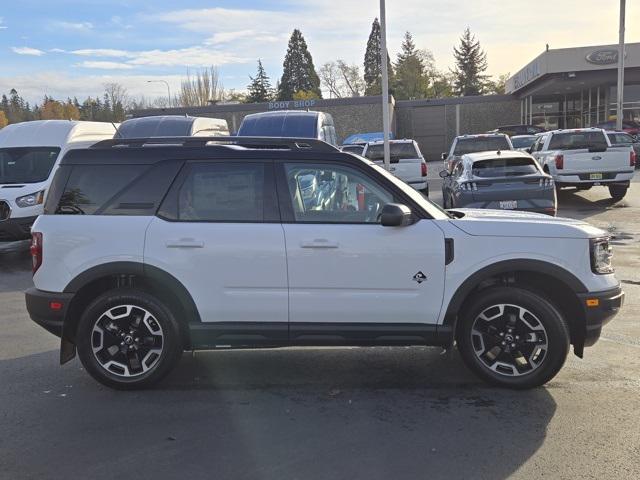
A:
396	215
444	156
444	174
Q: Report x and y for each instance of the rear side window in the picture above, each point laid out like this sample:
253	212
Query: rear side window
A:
578	141
504	167
480	144
222	192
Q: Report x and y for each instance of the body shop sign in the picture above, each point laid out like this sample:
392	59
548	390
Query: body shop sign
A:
291	104
603	57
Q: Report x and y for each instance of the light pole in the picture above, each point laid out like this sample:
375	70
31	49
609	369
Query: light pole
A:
385	85
166	83
620	102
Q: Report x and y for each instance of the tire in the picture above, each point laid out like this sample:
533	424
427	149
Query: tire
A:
445	203
127	339
540	351
618	192
425	191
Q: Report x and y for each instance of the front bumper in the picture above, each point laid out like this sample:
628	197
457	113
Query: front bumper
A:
43	309
599	309
16	229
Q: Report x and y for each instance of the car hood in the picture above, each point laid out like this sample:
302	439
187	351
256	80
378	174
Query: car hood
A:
500	223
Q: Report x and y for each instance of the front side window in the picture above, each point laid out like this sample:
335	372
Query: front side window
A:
223	192
26	165
334	194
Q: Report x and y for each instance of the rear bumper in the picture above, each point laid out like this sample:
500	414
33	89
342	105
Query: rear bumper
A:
15	229
39	306
584	179
606	305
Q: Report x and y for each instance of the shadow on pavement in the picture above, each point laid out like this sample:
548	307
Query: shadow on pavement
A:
387	413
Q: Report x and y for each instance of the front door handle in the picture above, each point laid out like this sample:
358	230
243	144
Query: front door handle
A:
318	243
185	243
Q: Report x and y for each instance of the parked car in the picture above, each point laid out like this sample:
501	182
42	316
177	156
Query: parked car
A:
523	142
172	126
406	161
221	252
505	180
513	130
29	156
584	158
465	144
632	128
356	148
623	139
290	124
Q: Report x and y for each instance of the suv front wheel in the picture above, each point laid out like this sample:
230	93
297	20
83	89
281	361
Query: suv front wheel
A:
513	337
127	339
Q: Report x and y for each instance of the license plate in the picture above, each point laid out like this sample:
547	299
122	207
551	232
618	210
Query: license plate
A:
508	204
595	176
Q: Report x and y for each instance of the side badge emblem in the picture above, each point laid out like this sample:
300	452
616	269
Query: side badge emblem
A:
420	277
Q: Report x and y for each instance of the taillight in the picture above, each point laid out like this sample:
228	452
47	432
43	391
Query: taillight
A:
559	162
633	158
469	186
36	251
423	166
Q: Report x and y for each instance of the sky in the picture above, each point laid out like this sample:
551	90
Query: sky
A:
67	48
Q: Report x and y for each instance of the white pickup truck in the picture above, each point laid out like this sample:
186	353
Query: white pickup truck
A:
583	158
407	162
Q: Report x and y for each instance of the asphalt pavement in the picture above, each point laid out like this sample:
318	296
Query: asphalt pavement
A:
328	413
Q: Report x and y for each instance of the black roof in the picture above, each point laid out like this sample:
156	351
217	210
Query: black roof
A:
147	151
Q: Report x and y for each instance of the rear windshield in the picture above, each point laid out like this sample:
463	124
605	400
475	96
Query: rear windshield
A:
26	165
522	142
578	141
480	144
399	151
291	126
504	167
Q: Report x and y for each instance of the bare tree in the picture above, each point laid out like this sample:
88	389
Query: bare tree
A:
342	79
117	94
201	89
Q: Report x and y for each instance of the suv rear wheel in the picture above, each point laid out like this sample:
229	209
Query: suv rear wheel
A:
513	338
127	339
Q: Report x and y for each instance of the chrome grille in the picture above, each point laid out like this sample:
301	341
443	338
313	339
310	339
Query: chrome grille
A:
5	211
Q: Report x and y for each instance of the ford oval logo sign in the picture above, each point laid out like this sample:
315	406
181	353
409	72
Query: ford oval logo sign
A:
603	57
596	158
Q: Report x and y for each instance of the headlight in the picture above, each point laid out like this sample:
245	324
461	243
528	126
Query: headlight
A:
30	200
601	254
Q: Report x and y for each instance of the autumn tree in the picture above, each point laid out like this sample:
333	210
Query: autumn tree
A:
299	73
470	65
3	119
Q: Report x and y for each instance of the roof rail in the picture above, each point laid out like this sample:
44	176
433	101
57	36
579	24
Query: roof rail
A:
261	143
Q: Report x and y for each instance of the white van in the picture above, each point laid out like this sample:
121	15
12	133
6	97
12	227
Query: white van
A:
29	156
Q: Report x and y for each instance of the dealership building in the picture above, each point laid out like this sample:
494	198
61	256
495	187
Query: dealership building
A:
561	88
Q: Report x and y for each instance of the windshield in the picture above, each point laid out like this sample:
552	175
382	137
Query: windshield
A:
399	151
353	149
26	165
504	167
522	142
431	208
578	140
480	144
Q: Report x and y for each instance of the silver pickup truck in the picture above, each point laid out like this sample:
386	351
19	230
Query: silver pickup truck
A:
584	158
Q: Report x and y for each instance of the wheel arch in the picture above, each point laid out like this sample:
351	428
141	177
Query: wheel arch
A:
551	281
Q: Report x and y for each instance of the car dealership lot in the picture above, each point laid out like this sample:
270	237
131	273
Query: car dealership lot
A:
329	413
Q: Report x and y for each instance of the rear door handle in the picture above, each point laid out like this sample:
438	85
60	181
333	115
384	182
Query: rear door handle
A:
185	243
318	243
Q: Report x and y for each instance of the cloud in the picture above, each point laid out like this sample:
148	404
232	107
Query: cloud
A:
102	52
74	26
2	25
104	65
27	51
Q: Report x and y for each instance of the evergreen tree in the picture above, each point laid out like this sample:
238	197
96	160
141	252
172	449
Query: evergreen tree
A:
471	63
412	70
260	87
299	73
373	62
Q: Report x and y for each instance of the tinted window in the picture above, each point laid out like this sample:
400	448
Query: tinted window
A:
480	144
26	165
222	192
577	140
285	125
399	151
620	138
522	142
334	194
504	167
90	187
357	149
155	127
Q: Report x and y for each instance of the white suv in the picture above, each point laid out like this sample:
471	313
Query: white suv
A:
148	248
